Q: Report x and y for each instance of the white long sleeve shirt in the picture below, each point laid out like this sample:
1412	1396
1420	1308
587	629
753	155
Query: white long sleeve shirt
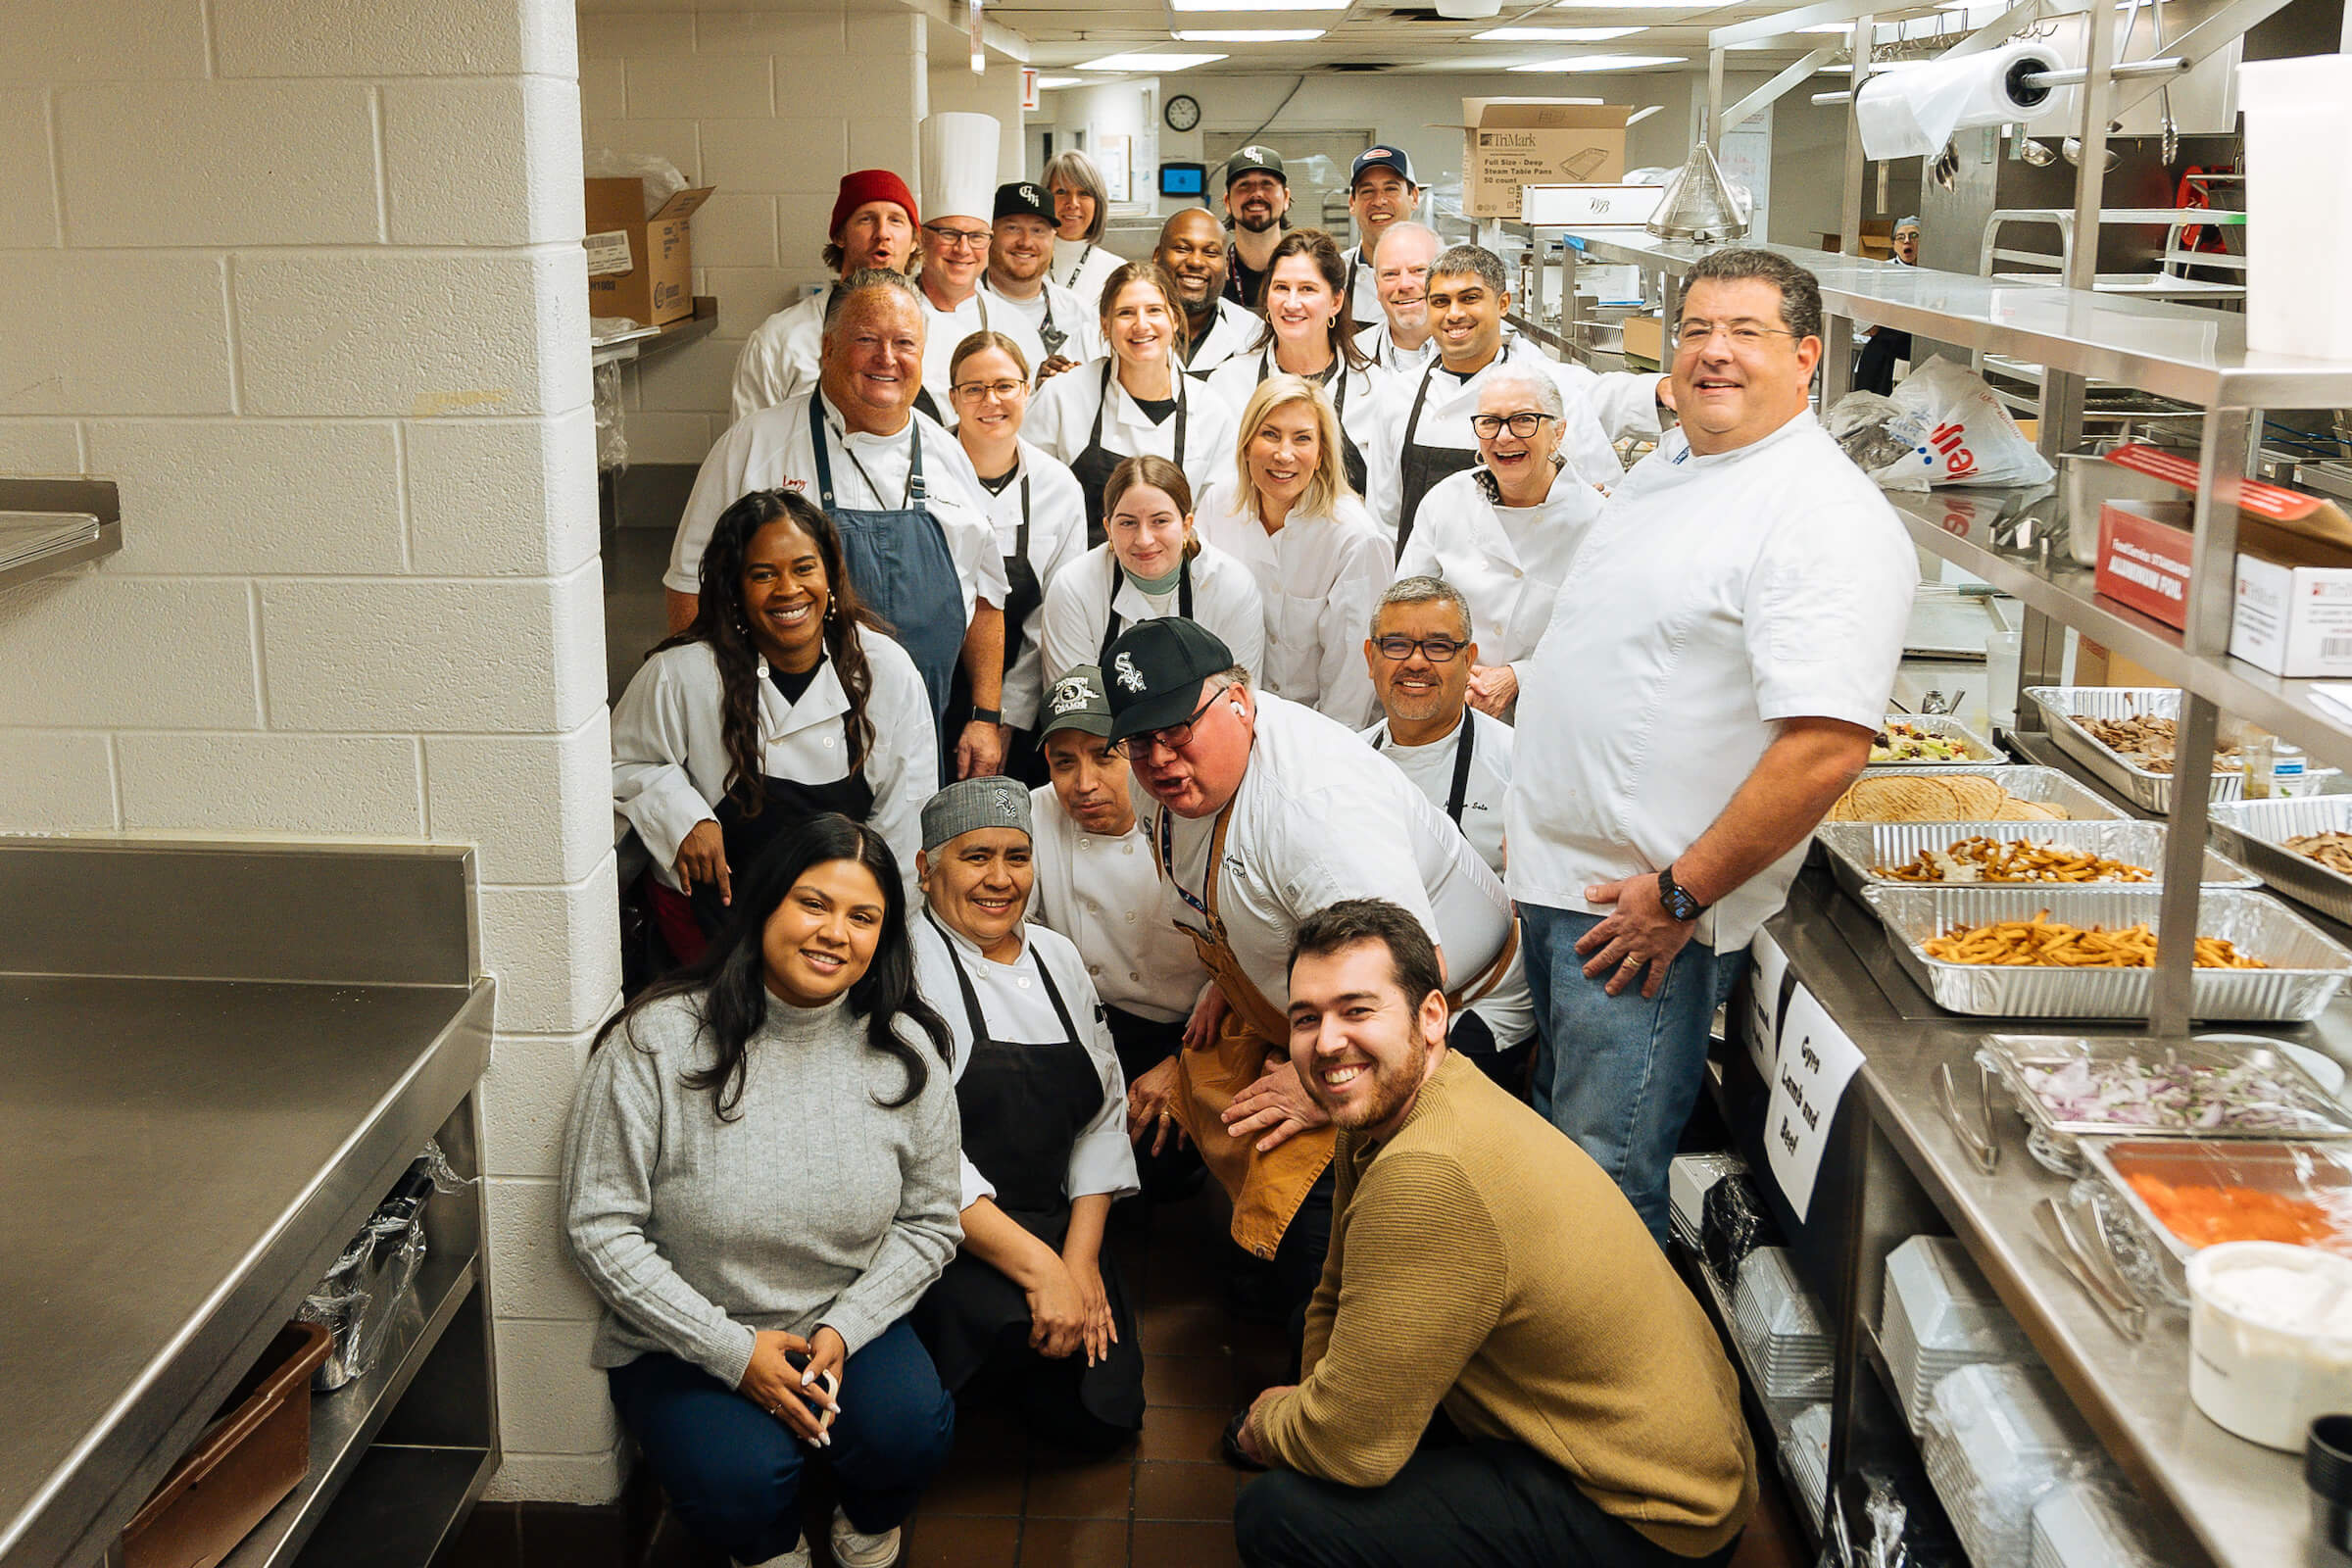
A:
670	762
1024	321
1083	267
1508	561
1357	401
1013	1001
1093	588
1061	418
779	360
1318	578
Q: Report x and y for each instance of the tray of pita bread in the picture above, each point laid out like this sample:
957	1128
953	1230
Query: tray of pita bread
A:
2012	794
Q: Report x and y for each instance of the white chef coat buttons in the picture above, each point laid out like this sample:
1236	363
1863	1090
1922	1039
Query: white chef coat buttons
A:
1131	917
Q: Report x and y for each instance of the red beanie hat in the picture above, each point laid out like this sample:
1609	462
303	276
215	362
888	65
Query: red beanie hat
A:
862	185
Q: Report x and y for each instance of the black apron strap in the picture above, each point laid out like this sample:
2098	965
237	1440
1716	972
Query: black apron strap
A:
1462	747
824	465
1094	436
971	998
1110	615
1413	420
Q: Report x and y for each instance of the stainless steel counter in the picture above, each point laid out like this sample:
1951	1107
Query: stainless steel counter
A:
182	1159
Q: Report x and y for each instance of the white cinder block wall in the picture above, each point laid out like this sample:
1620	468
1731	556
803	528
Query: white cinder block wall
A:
772	107
304	277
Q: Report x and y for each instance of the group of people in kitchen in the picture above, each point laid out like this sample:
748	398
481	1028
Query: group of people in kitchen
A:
1230	717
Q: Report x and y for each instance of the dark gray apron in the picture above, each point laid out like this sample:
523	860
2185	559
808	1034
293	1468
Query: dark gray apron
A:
1423	467
1094	465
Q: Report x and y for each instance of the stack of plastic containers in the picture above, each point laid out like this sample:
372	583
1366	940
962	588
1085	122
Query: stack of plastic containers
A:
1807	1450
1688	1179
1939	1316
1778	1327
1997	1440
2083	1525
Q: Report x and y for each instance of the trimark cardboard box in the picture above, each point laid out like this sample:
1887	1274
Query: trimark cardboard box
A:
639	266
1510	142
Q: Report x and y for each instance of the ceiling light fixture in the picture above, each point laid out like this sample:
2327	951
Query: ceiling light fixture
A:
1549	35
1582	62
1248	34
1628	5
1147	62
1259	5
1054	83
1644	113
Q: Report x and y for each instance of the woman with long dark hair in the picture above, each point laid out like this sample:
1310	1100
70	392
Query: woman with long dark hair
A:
1307	334
760	1178
781	700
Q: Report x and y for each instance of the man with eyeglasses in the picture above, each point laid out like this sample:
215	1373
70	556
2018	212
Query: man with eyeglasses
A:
1260	812
1423	436
1400	340
1719	656
959	176
1504	533
1192	247
872	229
1054	331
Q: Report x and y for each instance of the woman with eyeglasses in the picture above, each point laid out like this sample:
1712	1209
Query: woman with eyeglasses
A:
1154	564
1287	512
1137	400
1039	513
1081	263
1506	531
1307	333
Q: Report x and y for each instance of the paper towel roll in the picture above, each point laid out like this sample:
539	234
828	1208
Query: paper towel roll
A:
1912	112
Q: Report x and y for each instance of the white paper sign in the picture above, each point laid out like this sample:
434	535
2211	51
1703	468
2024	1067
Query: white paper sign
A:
609	254
1816	1063
1766	965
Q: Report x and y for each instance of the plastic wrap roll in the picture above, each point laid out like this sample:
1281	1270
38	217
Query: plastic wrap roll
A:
1911	113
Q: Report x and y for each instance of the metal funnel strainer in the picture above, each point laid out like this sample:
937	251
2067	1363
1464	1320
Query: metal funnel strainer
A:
1698	204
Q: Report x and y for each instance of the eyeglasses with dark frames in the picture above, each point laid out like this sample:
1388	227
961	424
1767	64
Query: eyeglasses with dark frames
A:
1522	424
1437	650
1175	737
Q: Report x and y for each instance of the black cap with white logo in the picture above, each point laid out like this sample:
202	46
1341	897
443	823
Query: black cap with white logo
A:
1153	673
1381	157
1021	199
1254	161
1076	702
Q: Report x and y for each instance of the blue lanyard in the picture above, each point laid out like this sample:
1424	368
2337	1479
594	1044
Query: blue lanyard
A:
1167	863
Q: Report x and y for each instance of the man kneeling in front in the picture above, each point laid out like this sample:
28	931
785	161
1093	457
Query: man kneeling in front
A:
1501	1368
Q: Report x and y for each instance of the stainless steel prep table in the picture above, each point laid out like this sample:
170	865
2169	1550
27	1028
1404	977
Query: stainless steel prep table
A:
183	1158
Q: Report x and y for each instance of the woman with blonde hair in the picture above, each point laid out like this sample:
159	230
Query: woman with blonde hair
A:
1154	564
1286	512
1081	263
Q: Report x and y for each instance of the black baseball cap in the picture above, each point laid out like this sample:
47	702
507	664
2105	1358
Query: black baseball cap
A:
1381	157
1153	672
1021	199
1076	702
1254	161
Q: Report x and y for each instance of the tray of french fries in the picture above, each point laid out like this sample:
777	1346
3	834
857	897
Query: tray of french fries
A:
2041	952
1910	741
2062	854
1980	793
2302	847
2124	735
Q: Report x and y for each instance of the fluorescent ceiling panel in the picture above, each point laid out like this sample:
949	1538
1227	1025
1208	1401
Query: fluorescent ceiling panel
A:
1147	62
1248	34
1627	5
1259	5
1583	63
1549	35
1050	83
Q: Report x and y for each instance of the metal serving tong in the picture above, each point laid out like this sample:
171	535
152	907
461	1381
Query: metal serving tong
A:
2098	1277
1976	1133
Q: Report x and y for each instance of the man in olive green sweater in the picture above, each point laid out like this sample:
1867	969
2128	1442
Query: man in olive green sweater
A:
1481	1266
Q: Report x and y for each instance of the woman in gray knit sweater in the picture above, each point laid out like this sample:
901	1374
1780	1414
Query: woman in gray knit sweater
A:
760	1178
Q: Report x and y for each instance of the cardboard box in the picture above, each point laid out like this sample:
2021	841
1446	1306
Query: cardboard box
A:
1645	339
2293	615
2144	558
1589	206
656	286
1510	142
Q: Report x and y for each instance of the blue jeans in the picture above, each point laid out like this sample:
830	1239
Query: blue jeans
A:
732	1471
1618	1074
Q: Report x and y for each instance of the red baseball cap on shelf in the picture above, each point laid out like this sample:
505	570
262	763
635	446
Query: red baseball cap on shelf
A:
862	185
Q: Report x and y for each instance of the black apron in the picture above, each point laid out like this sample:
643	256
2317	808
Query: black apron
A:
1465	742
1093	466
785	803
1349	458
1021	756
1424	466
1110	615
1023	1105
899	560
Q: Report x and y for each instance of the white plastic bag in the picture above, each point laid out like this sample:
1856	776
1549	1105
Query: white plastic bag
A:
1951	429
661	178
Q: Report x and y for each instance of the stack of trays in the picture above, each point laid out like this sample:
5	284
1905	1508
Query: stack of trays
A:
1997	1439
1778	1327
1939	1316
1807	1450
2080	1525
1687	1181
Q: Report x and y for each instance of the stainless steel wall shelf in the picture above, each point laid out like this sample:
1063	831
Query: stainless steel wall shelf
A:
49	524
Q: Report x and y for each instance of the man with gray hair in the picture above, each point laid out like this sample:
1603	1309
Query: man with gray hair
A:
1505	532
1422	433
913	519
1399	340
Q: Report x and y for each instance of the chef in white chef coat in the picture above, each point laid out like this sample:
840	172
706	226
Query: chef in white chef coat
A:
1505	532
959	181
1194	248
1098	886
1381	192
1056	332
1286	511
1082	261
1402	341
874	226
1424	430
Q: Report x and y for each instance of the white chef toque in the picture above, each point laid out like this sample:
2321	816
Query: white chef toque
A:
959	166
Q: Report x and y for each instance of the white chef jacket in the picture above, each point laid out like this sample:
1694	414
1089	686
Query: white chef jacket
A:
779	358
1024	320
1233	331
1320	816
1385	355
1014	1003
1601	411
1319	580
1057	537
1237	379
1079	603
771	450
1508	561
1061	414
943	331
1363	298
1106	896
1715	596
670	763
1430	768
1083	267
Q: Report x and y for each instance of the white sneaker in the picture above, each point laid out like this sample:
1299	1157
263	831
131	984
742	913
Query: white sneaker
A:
797	1558
854	1550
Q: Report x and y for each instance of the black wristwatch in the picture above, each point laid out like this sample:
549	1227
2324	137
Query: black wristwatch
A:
1680	901
988	716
